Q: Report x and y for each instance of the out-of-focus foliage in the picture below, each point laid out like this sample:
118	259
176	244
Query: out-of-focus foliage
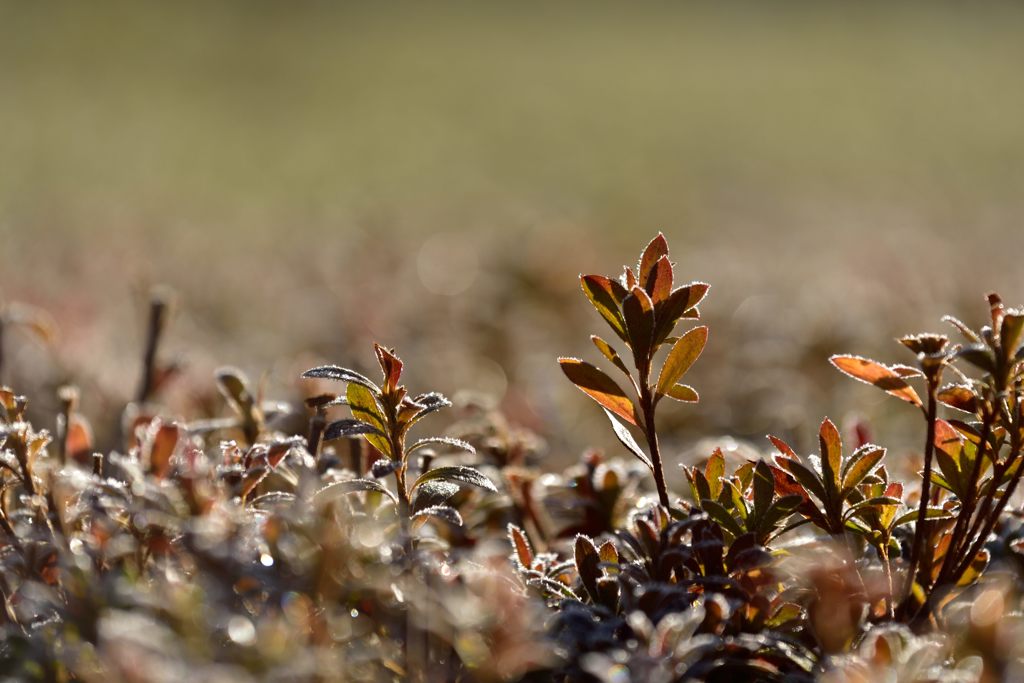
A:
348	544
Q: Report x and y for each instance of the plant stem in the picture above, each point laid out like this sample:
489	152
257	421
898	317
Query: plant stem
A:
929	453
967	506
647	407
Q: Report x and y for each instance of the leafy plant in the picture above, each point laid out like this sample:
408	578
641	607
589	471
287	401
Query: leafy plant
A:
642	309
383	416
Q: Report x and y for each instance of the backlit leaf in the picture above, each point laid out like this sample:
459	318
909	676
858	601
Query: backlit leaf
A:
659	282
348	428
365	408
524	553
608	352
831	454
448	514
682	356
655	250
599	387
876	374
457	474
350	486
603	294
684	393
680	303
341	375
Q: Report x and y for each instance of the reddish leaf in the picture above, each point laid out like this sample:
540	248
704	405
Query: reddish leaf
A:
679	304
783	447
390	365
657	248
831	453
879	375
599	387
659	281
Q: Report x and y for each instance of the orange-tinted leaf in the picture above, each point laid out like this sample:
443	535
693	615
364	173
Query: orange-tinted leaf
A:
960	397
659	281
657	248
682	356
879	375
521	545
160	445
599	387
604	295
79	440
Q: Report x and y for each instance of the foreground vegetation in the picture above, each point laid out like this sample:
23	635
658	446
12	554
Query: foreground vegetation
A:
365	548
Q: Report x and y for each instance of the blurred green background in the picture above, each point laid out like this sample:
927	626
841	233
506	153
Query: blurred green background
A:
313	175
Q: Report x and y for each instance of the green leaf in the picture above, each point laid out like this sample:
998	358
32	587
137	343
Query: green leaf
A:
718	513
588	564
341	375
603	295
599	387
764	488
348	428
860	464
448	514
627	440
682	356
638	311
457	444
804	475
433	493
457	474
871	372
365	408
348	487
930	513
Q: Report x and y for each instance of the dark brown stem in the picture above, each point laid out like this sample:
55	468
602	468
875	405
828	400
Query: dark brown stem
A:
157	318
929	453
647	408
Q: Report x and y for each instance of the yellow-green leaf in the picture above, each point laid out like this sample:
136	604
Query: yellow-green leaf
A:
682	356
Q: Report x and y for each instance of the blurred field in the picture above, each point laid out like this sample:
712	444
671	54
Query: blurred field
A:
310	176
